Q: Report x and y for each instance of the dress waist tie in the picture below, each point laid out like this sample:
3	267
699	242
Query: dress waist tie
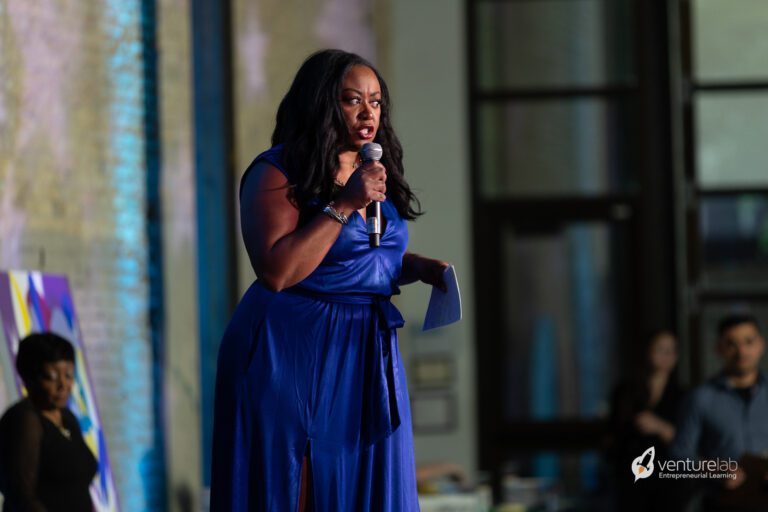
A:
382	396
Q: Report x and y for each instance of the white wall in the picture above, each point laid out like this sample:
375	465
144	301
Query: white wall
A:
426	72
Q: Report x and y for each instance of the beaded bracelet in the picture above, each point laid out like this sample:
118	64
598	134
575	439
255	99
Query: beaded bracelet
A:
330	211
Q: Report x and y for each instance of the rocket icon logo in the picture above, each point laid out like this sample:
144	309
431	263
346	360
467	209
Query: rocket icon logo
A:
642	467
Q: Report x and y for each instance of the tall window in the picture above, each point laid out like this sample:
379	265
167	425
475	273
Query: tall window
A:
723	95
619	184
553	112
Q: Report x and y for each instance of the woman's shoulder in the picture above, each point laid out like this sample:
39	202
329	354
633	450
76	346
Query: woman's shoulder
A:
23	407
674	391
69	419
21	415
273	156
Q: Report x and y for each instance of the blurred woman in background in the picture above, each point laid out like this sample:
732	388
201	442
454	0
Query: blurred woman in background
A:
45	465
643	414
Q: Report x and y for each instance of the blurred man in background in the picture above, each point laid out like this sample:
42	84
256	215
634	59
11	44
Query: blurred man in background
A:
727	418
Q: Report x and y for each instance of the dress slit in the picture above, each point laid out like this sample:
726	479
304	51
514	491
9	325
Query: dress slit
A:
306	492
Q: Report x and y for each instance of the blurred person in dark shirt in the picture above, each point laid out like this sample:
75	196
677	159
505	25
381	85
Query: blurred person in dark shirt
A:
643	414
45	465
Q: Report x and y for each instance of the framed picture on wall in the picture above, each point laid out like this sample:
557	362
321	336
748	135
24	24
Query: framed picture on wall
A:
433	371
433	411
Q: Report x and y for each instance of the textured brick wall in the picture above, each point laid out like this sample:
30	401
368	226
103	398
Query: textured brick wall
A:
72	197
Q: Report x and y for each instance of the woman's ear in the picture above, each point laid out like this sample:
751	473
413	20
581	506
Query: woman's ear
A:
33	387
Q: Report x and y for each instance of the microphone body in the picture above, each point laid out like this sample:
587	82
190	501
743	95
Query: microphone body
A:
372	151
373	218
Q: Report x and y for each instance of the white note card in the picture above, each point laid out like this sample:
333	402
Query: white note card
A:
444	307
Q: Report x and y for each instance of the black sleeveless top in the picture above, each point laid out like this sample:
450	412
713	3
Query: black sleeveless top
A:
40	468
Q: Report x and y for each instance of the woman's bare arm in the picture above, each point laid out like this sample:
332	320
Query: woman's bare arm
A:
427	270
281	254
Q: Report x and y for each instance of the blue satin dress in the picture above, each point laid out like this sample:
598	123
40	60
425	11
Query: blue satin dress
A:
315	369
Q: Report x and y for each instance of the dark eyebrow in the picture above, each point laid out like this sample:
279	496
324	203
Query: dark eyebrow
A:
377	93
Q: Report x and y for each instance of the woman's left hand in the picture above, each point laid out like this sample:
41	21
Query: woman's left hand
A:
650	424
647	422
430	271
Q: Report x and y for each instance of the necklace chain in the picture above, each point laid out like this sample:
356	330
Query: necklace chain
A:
65	432
354	165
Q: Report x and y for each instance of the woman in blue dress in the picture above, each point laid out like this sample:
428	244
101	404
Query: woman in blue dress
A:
312	409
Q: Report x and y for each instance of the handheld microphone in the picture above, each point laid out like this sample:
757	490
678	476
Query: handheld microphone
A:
372	151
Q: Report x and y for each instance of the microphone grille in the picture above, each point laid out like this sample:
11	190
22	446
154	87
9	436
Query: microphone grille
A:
371	151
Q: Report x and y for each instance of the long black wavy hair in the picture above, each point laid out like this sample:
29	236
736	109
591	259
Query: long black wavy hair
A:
311	126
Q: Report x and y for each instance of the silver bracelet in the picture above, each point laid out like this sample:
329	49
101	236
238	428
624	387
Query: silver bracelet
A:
330	211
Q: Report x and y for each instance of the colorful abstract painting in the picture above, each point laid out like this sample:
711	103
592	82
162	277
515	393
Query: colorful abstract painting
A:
33	302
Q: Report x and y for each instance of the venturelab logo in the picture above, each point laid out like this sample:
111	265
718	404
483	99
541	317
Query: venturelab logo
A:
642	466
717	468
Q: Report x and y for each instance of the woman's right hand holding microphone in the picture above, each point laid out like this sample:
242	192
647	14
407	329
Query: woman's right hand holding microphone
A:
367	183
